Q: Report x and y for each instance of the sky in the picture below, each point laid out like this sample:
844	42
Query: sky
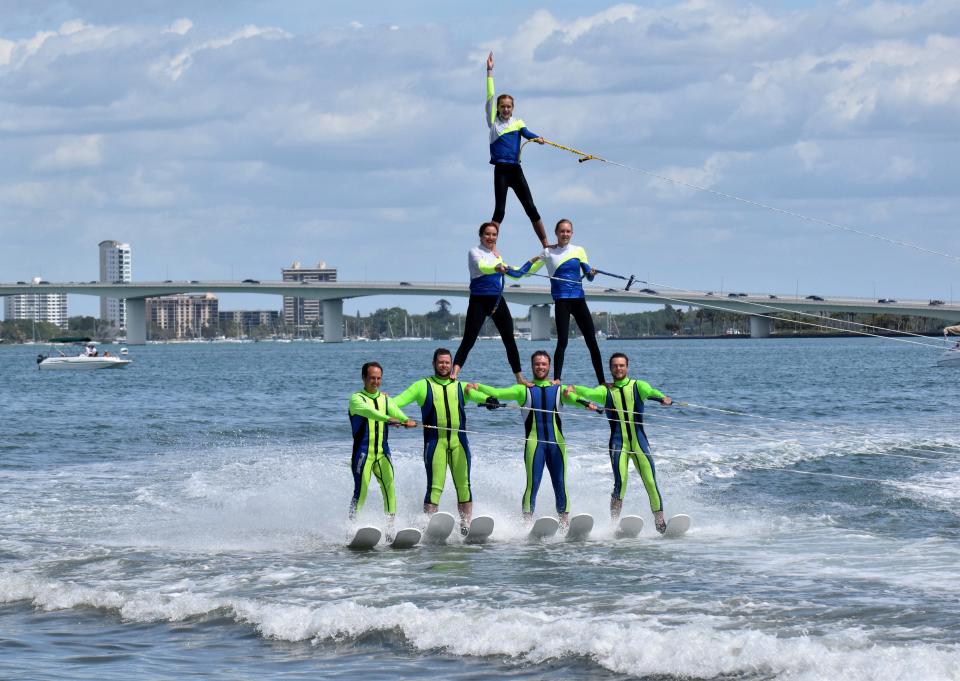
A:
225	140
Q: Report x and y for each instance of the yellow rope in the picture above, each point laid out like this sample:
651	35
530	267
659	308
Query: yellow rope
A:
582	154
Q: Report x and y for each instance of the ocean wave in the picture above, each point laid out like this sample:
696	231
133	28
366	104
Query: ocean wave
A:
704	647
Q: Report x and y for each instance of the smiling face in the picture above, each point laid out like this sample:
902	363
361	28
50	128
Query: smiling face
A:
371	382
541	366
442	365
564	232
489	236
618	368
505	106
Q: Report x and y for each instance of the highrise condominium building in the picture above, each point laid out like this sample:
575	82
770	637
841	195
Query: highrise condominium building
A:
40	307
304	312
188	315
114	268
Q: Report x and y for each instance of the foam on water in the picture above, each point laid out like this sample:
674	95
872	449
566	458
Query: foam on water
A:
703	647
781	576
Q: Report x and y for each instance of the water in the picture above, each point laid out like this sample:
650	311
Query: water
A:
185	516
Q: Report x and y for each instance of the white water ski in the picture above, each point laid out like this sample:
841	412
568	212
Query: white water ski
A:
439	528
544	527
580	526
364	538
629	527
480	530
406	538
677	526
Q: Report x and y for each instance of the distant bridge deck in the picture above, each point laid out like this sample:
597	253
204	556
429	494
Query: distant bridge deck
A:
760	307
522	294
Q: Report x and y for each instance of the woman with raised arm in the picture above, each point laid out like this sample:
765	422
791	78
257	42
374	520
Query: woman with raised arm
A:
505	134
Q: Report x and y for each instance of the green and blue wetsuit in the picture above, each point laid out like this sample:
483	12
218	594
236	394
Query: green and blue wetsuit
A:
628	441
369	413
545	445
445	443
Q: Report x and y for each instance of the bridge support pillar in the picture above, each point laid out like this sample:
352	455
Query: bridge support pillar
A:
760	326
540	322
136	321
333	321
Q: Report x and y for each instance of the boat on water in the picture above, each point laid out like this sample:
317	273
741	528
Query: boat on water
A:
88	359
951	358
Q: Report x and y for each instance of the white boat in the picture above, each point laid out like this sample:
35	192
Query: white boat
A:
951	358
81	362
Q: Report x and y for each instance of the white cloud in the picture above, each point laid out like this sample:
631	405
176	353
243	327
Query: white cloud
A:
704	176
808	152
180	26
902	168
79	152
182	61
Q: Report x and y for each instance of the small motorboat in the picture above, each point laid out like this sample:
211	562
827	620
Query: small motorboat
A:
951	358
88	359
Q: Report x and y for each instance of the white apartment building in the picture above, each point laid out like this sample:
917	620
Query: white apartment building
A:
114	267
300	313
40	307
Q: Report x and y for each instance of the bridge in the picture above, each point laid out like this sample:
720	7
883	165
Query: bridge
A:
759	307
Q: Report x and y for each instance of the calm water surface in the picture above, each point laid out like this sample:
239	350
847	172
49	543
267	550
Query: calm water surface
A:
186	516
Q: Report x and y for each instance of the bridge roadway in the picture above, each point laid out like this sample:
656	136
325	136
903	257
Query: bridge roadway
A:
759	307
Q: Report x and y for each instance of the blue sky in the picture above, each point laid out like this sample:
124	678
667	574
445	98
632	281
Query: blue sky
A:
228	139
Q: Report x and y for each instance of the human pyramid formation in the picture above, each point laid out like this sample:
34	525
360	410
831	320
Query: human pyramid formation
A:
442	397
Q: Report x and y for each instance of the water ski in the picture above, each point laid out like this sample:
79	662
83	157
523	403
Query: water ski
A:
439	528
406	538
677	526
480	529
580	526
544	527
365	538
629	527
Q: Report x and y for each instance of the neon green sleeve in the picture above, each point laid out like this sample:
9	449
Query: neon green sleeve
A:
415	393
573	399
359	407
491	109
535	266
515	393
477	396
394	411
647	391
598	394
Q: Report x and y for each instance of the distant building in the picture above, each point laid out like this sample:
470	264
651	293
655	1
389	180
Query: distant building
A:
115	267
250	319
186	314
40	307
302	313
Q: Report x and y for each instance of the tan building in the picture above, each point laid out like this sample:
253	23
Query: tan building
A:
302	313
187	315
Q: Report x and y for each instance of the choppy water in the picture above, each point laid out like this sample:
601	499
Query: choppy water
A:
186	515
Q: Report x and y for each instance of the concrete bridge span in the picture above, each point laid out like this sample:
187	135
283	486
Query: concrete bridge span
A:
759	307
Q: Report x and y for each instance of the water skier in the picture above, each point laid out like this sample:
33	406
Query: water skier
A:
486	299
371	411
545	446
623	402
505	134
567	265
445	445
